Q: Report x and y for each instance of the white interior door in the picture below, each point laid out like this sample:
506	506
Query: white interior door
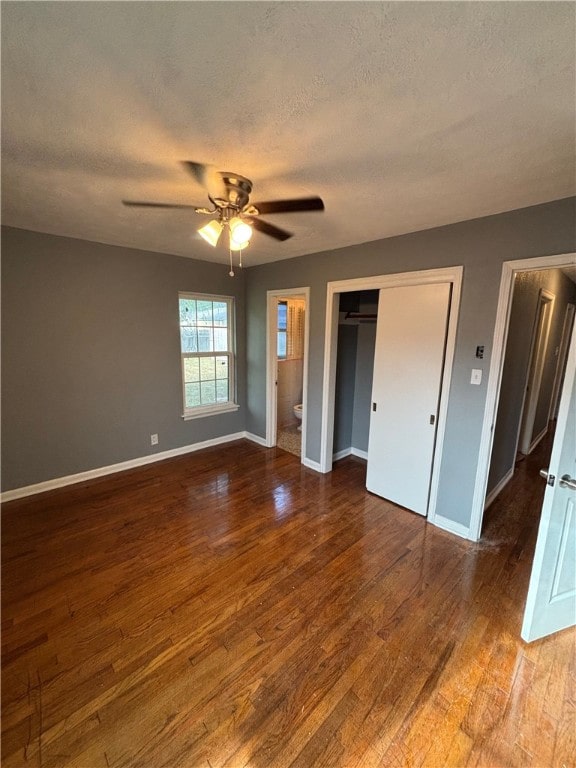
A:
551	601
408	365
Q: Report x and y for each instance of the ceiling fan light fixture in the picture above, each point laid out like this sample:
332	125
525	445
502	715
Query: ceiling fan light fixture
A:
240	233
211	232
234	246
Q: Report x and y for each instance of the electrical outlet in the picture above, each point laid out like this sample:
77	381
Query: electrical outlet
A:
153	439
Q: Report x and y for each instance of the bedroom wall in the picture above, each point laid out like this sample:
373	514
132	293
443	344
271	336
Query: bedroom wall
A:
91	355
480	245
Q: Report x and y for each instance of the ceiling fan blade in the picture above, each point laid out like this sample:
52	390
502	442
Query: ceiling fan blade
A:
289	206
269	229
208	177
156	205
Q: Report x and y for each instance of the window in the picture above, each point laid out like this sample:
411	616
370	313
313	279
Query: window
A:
290	329
282	329
206	346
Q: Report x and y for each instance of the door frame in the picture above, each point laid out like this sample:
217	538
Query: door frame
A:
538	349
567	327
420	277
272	362
509	270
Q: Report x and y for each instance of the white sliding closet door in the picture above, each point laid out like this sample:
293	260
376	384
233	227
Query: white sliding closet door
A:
408	367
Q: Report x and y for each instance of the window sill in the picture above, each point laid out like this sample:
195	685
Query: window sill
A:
210	410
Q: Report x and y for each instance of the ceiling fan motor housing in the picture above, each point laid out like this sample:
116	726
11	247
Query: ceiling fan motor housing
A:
238	190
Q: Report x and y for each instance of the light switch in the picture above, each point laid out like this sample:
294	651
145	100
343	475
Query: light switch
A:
476	377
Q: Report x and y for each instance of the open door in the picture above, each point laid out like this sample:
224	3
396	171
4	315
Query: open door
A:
551	601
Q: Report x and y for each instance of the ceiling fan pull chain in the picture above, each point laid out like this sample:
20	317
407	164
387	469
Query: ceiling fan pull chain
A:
231	273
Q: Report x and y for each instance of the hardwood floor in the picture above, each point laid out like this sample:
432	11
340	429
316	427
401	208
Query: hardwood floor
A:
232	608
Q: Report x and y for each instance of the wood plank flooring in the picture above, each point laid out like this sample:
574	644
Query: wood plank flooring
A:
232	608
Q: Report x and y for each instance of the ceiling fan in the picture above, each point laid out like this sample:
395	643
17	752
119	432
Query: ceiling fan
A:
229	194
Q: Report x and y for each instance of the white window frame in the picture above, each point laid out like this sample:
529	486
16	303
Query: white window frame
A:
230	405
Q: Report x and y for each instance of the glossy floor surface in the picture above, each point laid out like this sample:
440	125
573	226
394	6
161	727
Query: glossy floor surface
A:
232	608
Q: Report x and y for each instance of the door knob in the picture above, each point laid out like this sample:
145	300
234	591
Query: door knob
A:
568	482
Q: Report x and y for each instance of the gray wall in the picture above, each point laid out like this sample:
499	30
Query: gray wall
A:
527	286
91	356
345	384
366	347
354	372
481	245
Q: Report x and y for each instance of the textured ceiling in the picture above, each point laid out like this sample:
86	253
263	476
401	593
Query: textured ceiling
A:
401	116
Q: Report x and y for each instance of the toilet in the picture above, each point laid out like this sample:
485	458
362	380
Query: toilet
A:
298	413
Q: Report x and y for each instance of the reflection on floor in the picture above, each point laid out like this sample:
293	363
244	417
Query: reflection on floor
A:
290	439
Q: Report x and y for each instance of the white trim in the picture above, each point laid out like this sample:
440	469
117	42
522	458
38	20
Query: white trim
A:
537	439
562	358
91	474
537	360
449	525
509	269
209	410
350	452
341	454
419	277
499	488
256	439
272	363
311	464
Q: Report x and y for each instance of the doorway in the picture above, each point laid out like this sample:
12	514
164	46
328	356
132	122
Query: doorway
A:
528	439
452	275
500	401
287	369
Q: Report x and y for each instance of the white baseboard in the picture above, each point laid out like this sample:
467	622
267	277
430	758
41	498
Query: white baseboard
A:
80	477
256	439
341	454
537	439
350	452
499	488
449	525
315	465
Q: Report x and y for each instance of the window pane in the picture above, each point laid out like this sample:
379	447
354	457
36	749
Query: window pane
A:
192	395
282	315
220	339
191	369
220	313
187	311
207	370
205	343
281	343
208	392
204	309
222	390
189	339
206	350
222	368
